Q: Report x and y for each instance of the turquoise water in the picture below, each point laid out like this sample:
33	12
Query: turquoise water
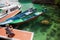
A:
41	30
46	26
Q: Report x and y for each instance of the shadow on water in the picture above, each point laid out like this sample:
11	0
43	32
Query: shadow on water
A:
39	27
44	28
25	1
35	27
24	25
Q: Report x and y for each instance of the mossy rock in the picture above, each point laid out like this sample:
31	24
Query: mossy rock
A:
45	22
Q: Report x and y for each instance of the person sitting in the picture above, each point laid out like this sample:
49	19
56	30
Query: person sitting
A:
9	30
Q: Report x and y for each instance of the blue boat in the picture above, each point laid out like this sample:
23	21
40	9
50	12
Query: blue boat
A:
24	16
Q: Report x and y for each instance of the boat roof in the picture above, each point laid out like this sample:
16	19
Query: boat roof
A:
8	7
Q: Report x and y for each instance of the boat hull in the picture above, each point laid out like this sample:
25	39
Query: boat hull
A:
10	15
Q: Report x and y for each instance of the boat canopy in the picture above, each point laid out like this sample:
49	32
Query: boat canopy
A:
8	7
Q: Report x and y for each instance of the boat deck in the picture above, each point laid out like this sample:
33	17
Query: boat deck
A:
10	15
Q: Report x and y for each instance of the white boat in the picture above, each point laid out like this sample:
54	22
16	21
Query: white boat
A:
8	6
8	9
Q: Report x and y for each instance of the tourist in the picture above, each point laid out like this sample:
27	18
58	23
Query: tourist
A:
9	30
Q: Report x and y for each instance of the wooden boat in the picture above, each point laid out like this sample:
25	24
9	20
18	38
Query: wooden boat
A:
8	9
19	35
23	14
10	15
19	16
22	17
9	12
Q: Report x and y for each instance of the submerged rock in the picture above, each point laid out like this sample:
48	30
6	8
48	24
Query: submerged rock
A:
45	22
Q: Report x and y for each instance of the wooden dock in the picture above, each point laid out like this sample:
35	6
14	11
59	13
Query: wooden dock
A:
19	34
